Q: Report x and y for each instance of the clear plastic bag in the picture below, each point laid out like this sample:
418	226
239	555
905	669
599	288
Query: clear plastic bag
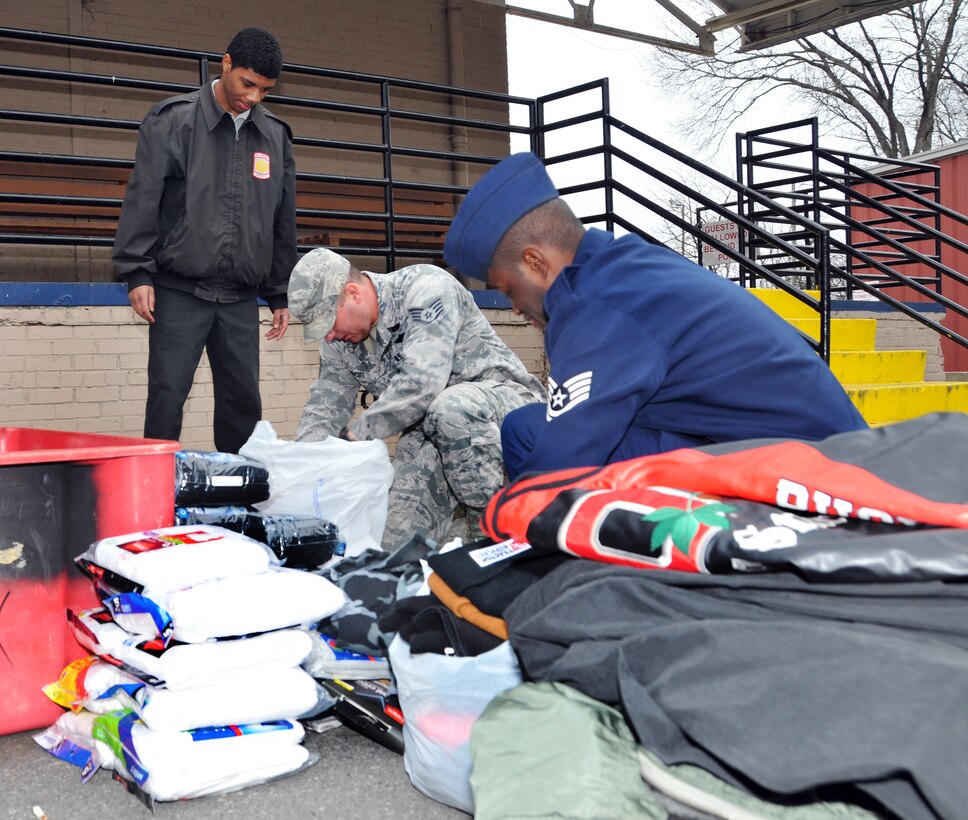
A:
441	697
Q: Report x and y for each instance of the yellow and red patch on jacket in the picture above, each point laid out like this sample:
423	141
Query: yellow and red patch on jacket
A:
260	165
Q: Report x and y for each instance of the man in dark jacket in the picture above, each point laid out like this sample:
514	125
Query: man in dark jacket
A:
207	226
648	351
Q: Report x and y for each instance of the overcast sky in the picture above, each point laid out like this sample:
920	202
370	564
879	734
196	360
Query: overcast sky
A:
544	57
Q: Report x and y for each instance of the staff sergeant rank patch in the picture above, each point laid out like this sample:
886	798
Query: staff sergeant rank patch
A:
427	314
563	397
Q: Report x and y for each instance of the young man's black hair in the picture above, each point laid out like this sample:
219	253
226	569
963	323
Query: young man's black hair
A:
256	49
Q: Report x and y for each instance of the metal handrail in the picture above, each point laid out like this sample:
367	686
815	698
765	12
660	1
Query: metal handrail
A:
384	102
905	214
815	217
612	183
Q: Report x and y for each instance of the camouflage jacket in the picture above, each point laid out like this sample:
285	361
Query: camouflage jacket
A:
429	335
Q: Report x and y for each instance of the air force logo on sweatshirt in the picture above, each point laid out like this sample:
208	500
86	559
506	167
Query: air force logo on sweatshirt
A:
563	397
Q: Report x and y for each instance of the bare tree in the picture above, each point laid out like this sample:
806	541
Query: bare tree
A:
894	85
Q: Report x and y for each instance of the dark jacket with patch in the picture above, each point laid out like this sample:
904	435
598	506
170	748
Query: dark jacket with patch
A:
208	211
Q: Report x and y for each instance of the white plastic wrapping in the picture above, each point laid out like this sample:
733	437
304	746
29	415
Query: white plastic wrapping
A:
243	605
346	482
171	557
262	693
177	765
185	665
253	696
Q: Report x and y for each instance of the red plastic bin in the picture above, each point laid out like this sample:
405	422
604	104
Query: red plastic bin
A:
59	491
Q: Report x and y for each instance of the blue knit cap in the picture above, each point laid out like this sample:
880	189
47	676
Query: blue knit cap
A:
514	187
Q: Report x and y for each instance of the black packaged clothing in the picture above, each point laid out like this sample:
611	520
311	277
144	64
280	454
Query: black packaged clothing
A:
212	479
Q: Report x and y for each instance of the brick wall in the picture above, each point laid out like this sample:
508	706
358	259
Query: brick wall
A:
83	369
895	331
382	37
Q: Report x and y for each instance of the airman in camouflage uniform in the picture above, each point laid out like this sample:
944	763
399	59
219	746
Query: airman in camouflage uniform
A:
442	378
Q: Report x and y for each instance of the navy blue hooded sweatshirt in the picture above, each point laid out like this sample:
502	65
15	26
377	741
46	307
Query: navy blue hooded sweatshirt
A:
650	352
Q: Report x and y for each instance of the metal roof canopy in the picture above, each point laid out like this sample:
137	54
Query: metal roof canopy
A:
761	23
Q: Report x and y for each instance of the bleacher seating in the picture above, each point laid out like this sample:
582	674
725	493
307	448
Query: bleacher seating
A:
80	197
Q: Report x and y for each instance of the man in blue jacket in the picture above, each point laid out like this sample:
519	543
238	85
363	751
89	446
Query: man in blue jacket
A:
648	351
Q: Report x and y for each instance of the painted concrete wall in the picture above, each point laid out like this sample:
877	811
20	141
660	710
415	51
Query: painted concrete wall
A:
952	164
84	369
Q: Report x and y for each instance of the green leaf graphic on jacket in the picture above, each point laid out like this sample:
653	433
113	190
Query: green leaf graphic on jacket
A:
682	525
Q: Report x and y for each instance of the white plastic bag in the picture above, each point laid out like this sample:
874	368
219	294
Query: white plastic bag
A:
441	696
230	607
175	557
346	482
252	696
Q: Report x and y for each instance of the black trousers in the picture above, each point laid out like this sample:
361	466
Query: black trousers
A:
229	333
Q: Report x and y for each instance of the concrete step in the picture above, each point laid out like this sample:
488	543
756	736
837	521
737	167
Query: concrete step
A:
789	307
878	366
887	403
886	386
845	334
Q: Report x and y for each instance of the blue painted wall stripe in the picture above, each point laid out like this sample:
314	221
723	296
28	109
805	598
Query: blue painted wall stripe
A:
67	294
71	294
57	294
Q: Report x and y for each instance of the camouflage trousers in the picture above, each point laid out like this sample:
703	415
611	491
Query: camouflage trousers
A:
451	460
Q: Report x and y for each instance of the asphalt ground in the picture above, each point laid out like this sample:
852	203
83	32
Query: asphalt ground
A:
355	777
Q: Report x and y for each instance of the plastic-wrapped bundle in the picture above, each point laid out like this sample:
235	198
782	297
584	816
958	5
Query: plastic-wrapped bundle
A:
173	557
183	665
256	695
299	542
167	766
219	478
92	684
225	608
330	660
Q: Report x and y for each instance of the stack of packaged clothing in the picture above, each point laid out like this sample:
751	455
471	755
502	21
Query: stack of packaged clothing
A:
201	637
221	489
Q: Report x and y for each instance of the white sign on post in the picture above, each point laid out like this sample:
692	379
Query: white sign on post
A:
726	232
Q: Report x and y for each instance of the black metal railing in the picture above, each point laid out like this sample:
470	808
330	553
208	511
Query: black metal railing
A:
634	174
884	219
399	174
807	225
824	224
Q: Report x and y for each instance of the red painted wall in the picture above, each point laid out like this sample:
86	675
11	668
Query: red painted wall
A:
953	194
